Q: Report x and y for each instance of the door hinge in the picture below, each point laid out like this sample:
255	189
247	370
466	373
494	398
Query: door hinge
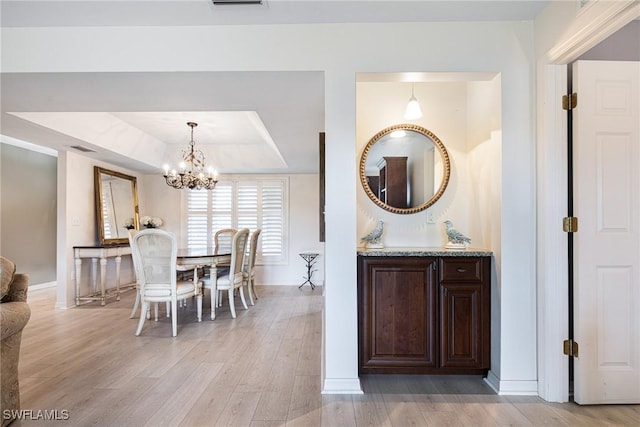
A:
570	224
570	101
570	348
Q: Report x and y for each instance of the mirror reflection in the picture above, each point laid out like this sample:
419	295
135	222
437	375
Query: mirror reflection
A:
404	168
116	205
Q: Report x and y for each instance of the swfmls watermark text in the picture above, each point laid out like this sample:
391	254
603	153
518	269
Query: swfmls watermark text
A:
36	414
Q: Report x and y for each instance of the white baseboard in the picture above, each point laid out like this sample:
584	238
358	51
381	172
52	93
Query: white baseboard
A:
512	388
296	284
39	286
342	386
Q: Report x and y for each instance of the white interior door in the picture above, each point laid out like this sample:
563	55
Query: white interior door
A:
606	140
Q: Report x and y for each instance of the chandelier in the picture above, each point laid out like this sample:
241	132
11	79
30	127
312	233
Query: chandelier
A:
191	173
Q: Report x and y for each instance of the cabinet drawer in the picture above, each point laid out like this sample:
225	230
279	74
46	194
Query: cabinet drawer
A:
461	269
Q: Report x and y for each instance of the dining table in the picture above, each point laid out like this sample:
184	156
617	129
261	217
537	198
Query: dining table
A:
205	257
209	256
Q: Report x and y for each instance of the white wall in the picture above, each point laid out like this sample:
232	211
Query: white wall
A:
77	225
341	51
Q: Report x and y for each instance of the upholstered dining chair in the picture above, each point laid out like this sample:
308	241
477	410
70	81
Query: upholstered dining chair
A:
248	271
222	240
136	304
155	253
231	280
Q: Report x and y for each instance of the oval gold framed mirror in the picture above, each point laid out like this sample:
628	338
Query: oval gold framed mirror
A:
404	169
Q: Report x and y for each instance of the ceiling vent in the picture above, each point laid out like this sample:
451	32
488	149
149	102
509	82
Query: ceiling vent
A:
83	149
230	2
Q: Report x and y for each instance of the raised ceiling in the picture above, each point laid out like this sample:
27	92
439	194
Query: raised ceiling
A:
259	122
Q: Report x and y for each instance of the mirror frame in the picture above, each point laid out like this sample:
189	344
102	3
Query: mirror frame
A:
97	180
445	161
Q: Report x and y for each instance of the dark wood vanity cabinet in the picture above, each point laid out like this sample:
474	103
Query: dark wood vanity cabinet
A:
424	314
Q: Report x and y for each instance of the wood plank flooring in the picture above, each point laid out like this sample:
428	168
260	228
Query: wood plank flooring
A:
260	369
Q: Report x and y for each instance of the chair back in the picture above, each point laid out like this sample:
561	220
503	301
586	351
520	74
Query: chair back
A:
130	234
238	252
253	249
222	239
155	253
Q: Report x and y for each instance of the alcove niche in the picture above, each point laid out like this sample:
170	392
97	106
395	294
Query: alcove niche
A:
464	111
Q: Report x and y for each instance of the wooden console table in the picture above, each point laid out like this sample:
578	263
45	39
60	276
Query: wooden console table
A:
101	253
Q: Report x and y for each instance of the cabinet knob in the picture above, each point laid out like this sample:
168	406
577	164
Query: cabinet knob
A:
461	270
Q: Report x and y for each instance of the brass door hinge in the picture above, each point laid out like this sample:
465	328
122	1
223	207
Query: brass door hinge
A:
570	348
570	101
570	224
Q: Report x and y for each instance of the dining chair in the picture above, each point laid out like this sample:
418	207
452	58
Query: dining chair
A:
232	279
155	253
222	240
136	304
248	272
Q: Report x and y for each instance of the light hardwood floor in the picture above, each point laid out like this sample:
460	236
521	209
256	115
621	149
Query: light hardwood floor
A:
260	369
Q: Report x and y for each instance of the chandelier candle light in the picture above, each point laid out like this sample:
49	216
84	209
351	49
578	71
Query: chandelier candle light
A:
191	173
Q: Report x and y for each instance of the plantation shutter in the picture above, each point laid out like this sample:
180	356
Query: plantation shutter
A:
237	203
221	208
198	228
273	221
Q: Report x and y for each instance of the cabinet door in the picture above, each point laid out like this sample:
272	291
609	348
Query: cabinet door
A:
465	312
397	304
461	342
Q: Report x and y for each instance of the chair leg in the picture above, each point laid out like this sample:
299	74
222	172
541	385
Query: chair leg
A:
232	304
168	309
214	301
249	292
244	301
174	317
135	305
199	306
145	307
252	283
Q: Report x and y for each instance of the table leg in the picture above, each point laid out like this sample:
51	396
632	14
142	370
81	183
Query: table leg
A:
78	276
118	260
103	280
94	276
213	273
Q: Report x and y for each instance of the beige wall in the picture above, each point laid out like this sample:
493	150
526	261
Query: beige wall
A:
463	115
28	212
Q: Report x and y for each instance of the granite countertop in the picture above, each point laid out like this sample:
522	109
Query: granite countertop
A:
417	251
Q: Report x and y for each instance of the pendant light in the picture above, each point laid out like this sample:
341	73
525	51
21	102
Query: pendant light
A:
413	108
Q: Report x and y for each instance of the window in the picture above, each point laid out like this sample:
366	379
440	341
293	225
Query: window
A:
242	203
